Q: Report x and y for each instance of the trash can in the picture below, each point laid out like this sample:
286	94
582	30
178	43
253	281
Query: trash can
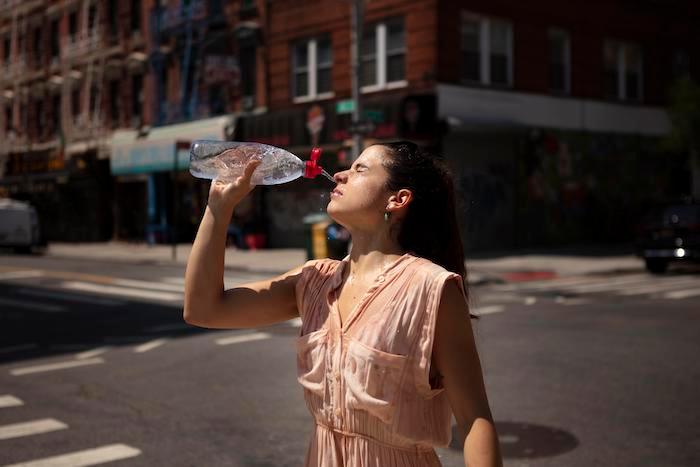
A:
337	241
315	232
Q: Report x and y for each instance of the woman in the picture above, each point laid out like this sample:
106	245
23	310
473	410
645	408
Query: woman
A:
386	351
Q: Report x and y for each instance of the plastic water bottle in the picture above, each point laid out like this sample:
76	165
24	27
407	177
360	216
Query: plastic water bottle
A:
226	160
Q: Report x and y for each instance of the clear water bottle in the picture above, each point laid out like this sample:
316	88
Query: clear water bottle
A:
226	160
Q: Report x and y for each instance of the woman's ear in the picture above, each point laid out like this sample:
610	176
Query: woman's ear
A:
402	198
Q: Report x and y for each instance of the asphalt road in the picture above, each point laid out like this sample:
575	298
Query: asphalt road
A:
96	363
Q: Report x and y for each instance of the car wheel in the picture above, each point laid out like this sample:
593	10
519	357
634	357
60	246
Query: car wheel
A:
656	265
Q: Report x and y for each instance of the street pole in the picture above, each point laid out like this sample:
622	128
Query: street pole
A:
355	40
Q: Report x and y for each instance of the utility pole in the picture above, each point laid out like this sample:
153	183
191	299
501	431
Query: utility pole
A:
355	40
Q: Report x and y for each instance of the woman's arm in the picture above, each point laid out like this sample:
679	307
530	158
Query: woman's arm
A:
249	305
456	358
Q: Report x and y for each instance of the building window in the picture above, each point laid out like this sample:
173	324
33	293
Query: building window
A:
311	70
39	118
383	55
559	61
75	103
6	48
623	71
114	102
56	112
248	72
135	15
487	50
8	118
55	39
37	47
136	100
113	16
92	18
680	64
73	25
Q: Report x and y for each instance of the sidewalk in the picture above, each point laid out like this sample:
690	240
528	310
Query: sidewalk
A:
493	267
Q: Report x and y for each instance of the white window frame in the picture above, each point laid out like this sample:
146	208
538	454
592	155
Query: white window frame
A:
485	48
380	53
311	70
555	33
620	48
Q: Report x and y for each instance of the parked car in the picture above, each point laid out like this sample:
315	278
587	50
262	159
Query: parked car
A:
19	226
669	233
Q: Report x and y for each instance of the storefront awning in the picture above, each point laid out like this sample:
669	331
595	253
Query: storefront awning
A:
155	151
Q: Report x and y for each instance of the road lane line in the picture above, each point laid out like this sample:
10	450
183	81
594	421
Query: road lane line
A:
150	345
101	455
92	353
664	286
678	294
612	284
35	427
43	307
17	348
8	400
548	284
148	285
488	310
54	366
71	297
244	338
28	274
121	291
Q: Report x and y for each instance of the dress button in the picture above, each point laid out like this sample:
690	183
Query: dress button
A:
380	278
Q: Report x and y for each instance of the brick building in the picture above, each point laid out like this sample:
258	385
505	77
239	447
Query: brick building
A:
549	114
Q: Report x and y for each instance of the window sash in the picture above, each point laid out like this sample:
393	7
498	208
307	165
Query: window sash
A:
559	61
377	60
624	78
305	74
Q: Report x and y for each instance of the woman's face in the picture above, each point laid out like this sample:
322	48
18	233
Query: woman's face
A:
362	198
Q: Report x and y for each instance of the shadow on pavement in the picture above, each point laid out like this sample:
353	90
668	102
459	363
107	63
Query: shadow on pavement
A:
519	440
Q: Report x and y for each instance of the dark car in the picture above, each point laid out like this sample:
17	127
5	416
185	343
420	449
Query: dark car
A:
669	233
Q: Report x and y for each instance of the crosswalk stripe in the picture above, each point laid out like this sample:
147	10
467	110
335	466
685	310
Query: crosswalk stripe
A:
487	310
149	285
544	285
28	274
70	297
658	287
54	366
296	322
101	455
92	353
35	427
150	345
243	338
605	284
677	294
36	306
121	291
8	400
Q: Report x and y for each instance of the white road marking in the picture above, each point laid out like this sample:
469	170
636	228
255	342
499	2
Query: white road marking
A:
571	301
71	297
28	274
8	400
615	284
660	286
169	327
530	300
547	284
244	338
487	310
121	291
148	285
150	345
93	352
17	430
678	294
43	307
101	455
295	323
54	366
17	348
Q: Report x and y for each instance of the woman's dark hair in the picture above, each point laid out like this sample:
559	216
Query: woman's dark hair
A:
430	227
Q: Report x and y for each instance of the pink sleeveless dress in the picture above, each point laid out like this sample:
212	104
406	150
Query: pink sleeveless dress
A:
366	383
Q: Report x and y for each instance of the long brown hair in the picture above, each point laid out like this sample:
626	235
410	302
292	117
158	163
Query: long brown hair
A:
430	227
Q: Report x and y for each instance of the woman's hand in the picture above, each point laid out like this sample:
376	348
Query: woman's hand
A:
224	196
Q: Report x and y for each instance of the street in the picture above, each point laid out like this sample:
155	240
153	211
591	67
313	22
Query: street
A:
97	364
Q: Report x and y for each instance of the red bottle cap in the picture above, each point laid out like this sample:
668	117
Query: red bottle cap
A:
312	167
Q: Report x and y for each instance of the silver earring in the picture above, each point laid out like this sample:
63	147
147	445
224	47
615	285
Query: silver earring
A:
386	216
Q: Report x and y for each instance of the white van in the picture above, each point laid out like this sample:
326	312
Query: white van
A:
19	226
